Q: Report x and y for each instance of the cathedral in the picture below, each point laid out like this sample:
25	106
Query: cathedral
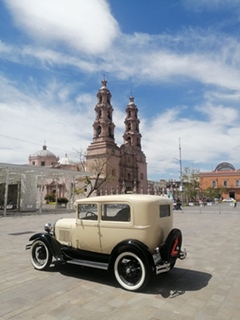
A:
125	166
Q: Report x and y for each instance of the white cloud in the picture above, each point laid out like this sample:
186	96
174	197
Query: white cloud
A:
26	121
202	141
87	26
56	112
211	5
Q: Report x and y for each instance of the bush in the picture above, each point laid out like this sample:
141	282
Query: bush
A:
62	200
50	197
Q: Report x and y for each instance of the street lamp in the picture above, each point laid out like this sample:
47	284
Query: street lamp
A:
180	163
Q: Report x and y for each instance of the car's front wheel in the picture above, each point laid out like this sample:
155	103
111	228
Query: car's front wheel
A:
41	257
130	271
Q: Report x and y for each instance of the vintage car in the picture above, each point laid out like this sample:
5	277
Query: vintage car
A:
130	235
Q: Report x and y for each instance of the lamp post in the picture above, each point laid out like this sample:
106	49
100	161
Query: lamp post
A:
180	163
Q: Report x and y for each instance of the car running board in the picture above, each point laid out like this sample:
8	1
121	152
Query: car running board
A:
91	264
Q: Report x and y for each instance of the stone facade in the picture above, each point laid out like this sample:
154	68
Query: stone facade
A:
126	165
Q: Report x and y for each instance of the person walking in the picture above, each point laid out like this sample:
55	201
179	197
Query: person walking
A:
235	203
179	204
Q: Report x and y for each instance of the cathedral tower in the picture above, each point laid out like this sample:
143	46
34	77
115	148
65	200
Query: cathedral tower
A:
126	165
103	148
133	167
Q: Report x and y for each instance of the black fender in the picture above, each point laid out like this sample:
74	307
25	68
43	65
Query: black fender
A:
135	246
53	245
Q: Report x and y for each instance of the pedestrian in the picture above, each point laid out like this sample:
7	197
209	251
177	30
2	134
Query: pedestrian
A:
179	204
235	203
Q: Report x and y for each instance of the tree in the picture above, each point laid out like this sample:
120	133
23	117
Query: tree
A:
99	173
211	193
190	179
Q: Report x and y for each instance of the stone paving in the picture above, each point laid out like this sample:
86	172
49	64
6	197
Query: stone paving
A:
204	286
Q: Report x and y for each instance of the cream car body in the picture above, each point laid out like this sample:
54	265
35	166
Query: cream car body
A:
130	234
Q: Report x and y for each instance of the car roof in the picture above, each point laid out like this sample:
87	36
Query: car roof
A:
125	197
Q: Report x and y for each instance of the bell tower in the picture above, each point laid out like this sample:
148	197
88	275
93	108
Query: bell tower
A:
103	146
103	126
131	134
133	166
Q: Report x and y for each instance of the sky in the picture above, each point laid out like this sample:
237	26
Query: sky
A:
179	59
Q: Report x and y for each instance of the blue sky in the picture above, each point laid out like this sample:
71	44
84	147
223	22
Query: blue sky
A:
179	59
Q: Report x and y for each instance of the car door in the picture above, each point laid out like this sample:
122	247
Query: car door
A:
87	227
115	225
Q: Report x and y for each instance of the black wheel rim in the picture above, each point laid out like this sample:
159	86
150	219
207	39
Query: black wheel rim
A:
129	270
40	255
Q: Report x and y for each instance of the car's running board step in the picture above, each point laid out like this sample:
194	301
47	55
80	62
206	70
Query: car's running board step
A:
92	264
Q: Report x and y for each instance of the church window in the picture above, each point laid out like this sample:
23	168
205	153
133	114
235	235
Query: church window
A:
42	163
129	126
33	163
99	131
129	177
129	139
141	176
113	172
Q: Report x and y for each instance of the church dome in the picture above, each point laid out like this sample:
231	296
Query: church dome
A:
224	166
65	161
44	153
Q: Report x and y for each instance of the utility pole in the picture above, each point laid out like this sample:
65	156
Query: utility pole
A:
180	161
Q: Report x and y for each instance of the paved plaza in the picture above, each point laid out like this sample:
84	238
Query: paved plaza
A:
204	286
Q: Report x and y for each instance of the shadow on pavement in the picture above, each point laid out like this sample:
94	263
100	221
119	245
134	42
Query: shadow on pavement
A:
177	282
169	285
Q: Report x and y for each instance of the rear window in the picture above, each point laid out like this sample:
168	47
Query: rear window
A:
116	212
164	210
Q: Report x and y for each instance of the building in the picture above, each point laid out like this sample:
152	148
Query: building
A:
126	165
43	158
24	187
224	177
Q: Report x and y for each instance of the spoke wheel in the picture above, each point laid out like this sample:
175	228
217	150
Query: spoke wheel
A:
130	271
41	257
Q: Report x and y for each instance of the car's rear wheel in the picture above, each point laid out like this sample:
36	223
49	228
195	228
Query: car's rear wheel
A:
130	271
41	257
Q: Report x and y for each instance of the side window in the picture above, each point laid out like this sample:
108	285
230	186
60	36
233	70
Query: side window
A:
214	184
225	183
116	212
164	210
88	211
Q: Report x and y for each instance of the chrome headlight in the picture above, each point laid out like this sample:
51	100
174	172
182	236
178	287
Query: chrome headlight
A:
48	227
